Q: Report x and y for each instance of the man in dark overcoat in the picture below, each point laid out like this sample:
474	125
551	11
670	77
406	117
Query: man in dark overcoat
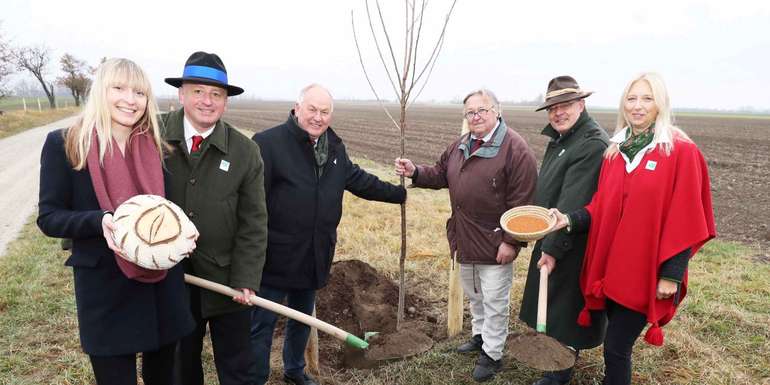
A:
307	170
567	181
214	173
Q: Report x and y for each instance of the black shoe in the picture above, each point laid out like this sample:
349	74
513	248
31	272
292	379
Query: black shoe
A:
548	381
559	377
301	379
472	345
486	368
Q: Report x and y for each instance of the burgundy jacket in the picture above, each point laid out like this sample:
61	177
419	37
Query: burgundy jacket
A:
500	175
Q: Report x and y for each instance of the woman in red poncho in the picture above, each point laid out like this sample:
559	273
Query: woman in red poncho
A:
651	213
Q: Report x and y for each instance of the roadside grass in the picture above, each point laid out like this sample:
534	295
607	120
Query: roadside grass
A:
11	103
720	336
12	122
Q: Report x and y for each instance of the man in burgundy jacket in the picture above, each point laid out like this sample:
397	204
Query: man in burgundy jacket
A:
487	171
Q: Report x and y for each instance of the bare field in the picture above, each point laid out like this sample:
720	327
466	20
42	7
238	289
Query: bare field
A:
737	149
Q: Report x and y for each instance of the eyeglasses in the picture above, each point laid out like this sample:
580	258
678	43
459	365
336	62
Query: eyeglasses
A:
481	112
560	106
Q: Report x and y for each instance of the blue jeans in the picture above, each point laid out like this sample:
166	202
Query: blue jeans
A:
295	335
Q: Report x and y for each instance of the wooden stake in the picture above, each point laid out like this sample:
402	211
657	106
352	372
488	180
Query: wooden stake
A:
454	322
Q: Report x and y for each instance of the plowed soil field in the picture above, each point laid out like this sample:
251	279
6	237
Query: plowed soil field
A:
737	149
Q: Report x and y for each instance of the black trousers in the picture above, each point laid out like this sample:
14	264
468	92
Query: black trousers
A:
157	367
229	340
623	328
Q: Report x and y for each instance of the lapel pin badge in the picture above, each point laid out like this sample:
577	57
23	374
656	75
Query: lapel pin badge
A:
651	165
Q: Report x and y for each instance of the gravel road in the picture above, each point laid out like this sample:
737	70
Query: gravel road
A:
19	178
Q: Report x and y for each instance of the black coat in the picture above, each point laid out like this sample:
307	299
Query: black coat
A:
567	181
116	315
304	210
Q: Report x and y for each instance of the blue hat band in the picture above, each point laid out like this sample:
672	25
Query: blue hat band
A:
205	73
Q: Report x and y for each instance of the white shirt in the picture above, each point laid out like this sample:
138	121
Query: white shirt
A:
489	134
631	164
190	131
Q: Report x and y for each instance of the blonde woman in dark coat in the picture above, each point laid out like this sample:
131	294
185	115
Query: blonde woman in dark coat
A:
122	309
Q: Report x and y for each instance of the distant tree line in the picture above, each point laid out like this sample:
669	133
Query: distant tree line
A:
35	60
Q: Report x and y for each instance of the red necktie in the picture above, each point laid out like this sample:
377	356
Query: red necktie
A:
475	144
196	144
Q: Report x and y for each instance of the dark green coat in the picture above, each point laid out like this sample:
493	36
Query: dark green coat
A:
223	193
567	181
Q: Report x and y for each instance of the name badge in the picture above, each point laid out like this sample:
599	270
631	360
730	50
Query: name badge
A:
224	165
651	165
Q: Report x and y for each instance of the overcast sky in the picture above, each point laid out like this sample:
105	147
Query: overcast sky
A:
713	53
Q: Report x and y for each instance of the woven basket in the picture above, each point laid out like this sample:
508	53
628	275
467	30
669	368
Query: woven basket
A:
529	211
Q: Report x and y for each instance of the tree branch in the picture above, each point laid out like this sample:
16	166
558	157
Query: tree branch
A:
436	48
379	51
363	67
387	39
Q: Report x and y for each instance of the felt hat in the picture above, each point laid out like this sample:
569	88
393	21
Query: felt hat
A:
205	68
562	89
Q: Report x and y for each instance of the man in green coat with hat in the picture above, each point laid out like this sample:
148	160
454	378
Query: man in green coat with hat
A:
215	174
567	181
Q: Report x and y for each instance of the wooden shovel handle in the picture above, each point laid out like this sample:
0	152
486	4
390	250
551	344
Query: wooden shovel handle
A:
280	309
542	299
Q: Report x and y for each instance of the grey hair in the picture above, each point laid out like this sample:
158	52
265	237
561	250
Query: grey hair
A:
301	96
485	93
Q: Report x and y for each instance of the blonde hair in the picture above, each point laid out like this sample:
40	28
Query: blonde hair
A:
96	112
664	122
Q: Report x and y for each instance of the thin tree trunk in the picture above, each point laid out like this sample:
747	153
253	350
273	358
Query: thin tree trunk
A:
402	259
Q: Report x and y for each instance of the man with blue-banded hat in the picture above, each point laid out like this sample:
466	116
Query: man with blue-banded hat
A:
215	174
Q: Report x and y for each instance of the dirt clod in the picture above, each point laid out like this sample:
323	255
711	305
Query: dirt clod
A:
540	352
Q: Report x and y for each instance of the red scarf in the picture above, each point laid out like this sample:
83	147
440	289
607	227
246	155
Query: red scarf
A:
120	178
638	221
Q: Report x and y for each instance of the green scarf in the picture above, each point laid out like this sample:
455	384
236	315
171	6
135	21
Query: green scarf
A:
635	143
320	149
321	152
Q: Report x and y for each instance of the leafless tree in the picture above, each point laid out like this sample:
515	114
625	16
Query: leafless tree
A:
405	75
75	77
35	59
6	65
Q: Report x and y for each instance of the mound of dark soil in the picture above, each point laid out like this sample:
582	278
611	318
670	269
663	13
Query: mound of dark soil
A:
358	299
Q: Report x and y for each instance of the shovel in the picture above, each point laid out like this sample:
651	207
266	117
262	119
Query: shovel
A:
537	350
332	330
168	219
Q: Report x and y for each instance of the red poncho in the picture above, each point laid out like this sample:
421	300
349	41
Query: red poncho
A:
639	220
